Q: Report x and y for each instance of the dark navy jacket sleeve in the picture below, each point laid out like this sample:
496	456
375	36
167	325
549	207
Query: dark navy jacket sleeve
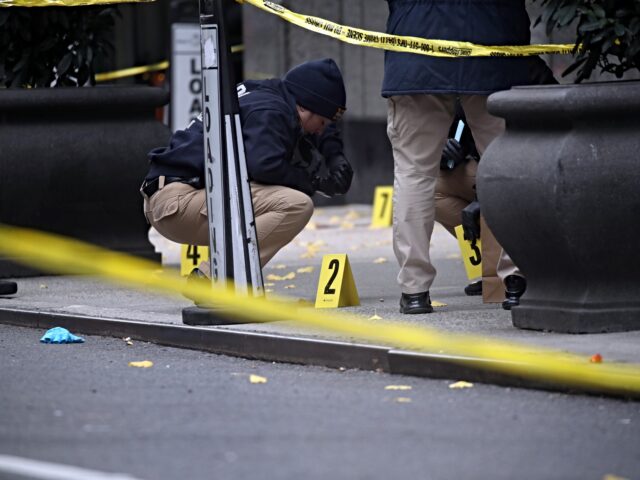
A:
269	142
183	157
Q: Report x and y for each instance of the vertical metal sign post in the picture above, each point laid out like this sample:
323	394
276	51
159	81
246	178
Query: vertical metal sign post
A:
232	232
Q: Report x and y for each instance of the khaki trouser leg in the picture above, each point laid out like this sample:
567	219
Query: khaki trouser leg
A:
485	128
179	213
492	287
281	213
454	191
506	266
417	126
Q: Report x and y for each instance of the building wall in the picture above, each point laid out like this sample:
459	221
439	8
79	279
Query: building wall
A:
272	46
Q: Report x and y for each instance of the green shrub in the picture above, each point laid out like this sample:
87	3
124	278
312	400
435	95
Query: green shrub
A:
607	30
53	46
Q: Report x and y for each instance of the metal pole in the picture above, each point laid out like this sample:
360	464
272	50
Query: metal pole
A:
240	250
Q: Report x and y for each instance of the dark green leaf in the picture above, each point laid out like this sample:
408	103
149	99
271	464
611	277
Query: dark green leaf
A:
566	14
591	26
598	10
64	64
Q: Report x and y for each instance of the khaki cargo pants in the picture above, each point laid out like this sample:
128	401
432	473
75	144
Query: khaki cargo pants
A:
418	126
179	212
454	191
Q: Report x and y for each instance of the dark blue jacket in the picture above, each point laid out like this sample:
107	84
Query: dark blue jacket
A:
485	22
271	131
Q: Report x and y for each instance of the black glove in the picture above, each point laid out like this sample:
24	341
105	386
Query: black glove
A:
453	154
342	173
471	221
324	185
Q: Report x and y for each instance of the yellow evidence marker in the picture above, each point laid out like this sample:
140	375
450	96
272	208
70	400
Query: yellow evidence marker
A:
191	256
336	287
471	254
382	207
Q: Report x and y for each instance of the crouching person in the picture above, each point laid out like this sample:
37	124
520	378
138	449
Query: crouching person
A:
293	149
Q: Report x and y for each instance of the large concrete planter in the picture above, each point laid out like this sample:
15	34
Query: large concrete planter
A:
561	191
72	160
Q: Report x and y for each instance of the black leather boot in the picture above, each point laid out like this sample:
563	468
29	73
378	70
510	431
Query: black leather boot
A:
474	288
515	286
196	276
413	303
7	287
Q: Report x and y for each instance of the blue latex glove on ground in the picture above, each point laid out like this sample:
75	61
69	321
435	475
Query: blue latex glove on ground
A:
60	335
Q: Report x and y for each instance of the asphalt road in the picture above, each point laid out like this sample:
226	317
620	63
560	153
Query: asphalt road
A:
195	415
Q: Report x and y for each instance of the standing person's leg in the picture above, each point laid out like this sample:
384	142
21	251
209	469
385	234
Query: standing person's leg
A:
492	286
417	126
485	128
454	191
514	282
281	213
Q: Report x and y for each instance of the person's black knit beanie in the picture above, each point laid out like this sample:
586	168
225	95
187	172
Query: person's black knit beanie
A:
317	85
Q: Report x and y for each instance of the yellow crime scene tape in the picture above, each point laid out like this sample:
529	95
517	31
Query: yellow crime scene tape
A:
131	72
64	3
154	67
63	255
399	43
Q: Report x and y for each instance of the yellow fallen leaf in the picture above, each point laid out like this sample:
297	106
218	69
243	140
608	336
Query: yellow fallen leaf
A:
398	387
435	303
351	215
403	400
380	260
279	266
269	284
610	476
312	248
375	317
346	225
288	287
257	379
278	278
268	290
461	385
142	364
305	270
334	220
311	226
127	340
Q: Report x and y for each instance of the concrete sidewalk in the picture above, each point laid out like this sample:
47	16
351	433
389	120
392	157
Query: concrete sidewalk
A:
91	306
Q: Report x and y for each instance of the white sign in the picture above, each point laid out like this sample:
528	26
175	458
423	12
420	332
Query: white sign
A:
186	77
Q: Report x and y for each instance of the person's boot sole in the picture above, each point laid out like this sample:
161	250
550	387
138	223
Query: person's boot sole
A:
415	311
